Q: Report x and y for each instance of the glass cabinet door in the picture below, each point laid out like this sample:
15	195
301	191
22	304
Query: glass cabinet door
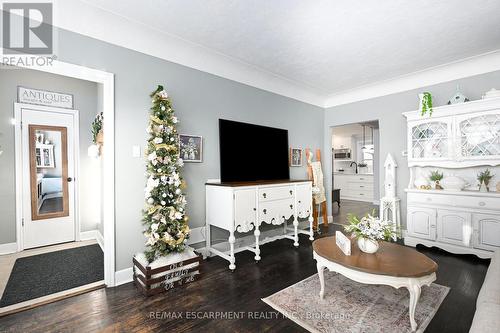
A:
479	136
430	141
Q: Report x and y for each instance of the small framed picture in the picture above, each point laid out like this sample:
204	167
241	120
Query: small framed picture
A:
295	157
191	148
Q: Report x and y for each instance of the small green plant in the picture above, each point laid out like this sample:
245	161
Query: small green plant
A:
436	176
426	104
96	126
484	176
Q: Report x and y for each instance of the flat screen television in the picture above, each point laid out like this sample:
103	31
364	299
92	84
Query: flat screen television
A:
251	152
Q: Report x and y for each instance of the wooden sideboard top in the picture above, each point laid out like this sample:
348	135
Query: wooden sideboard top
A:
258	182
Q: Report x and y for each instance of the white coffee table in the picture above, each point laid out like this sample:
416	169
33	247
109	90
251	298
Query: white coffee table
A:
393	265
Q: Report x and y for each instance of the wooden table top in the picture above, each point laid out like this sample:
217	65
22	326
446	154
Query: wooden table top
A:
391	259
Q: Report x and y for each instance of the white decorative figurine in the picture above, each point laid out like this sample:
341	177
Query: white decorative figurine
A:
389	203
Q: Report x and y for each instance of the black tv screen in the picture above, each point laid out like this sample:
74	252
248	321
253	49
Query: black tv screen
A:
251	152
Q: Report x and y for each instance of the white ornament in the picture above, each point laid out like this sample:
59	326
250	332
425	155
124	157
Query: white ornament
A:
178	191
151	201
164	195
163	203
174	120
157	140
163	108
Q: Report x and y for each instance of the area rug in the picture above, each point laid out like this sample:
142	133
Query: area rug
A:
52	272
349	306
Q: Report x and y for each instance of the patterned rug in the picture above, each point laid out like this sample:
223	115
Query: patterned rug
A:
349	306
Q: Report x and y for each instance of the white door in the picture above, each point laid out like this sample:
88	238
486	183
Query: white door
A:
48	159
454	227
422	222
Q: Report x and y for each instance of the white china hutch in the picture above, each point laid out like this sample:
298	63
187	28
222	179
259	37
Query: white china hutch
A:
458	140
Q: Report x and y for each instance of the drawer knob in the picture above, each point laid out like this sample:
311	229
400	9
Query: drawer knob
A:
361	186
265	211
291	206
482	203
361	179
264	195
300	201
291	192
254	209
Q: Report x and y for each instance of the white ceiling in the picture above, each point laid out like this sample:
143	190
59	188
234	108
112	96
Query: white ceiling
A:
325	47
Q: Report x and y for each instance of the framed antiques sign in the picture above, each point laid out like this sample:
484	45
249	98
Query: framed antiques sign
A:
44	97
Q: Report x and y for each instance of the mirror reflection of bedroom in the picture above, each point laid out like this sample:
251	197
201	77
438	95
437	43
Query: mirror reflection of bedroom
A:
48	161
51	243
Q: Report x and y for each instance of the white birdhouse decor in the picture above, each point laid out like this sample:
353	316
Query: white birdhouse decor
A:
390	177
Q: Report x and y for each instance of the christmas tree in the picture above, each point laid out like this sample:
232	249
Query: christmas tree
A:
164	215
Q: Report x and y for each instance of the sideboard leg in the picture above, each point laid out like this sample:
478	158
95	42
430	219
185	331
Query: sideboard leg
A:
257	249
414	289
311	230
321	275
232	266
296	231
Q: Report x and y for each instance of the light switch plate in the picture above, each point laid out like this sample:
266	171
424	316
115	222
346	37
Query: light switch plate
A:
136	151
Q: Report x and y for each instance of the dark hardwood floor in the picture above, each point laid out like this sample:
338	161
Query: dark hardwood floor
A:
124	309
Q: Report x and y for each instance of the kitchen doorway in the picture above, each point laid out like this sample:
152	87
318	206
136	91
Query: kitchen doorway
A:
355	169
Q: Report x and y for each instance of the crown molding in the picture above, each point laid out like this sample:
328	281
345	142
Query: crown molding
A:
109	27
480	64
115	29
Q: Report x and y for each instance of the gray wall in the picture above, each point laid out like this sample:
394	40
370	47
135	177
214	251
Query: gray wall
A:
392	132
199	100
85	94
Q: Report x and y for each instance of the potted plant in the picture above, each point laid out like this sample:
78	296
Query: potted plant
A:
425	103
369	230
97	135
484	178
436	177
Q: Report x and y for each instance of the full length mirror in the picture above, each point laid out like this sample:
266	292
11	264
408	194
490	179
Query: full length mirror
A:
49	172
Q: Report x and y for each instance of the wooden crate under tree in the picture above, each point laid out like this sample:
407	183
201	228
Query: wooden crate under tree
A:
175	275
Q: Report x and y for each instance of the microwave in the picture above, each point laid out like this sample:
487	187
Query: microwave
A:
342	154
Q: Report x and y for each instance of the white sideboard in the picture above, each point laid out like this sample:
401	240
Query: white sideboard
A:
456	221
354	186
243	207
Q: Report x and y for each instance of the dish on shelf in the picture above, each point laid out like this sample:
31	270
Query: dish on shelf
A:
453	183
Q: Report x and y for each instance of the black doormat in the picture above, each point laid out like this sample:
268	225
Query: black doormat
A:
49	273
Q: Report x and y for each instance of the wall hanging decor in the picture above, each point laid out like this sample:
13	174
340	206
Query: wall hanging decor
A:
295	157
191	148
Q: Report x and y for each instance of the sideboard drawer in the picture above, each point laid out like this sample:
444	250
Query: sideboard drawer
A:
431	199
276	212
479	202
276	193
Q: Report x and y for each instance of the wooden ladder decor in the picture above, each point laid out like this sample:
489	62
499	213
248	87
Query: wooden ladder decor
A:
316	207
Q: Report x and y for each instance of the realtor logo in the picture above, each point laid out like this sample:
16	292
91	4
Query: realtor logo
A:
27	28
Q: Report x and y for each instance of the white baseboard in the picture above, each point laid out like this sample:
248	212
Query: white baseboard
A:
8	248
93	234
124	276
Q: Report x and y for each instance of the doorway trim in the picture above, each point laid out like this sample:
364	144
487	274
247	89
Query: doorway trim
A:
105	80
18	162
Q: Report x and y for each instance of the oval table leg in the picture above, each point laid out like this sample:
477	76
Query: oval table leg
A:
321	275
414	289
